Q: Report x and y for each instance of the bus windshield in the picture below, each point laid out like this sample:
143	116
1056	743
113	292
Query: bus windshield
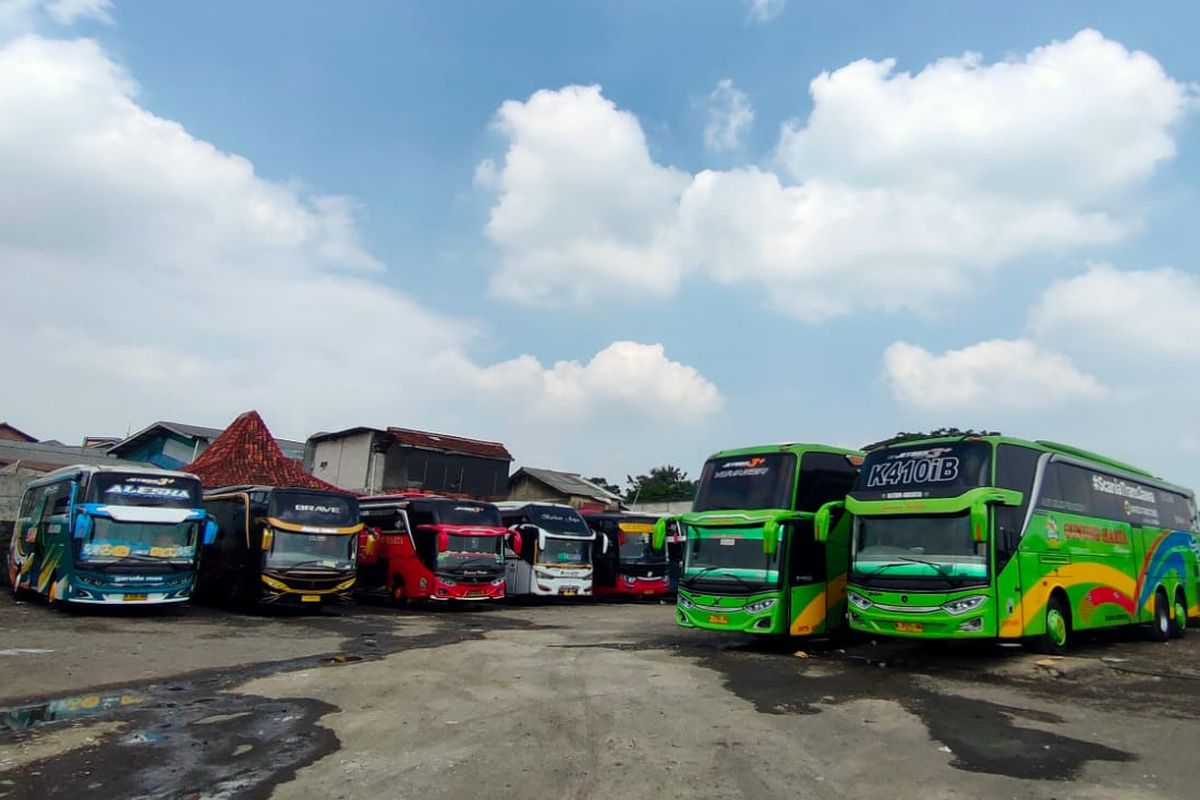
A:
467	514
109	538
314	508
746	482
289	549
565	551
946	469
637	547
917	547
471	550
145	489
729	557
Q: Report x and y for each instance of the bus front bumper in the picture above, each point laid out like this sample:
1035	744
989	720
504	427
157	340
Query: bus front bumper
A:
968	614
756	613
93	588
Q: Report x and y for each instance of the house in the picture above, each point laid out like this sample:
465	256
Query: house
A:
374	461
246	454
530	483
12	434
170	445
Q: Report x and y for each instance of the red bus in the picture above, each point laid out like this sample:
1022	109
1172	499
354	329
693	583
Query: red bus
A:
431	548
630	566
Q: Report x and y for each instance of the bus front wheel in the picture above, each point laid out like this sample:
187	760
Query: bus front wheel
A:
1058	627
396	594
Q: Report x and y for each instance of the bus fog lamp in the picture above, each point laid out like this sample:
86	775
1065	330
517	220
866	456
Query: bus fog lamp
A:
759	606
972	625
964	605
858	601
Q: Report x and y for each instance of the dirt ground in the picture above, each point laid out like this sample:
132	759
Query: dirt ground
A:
576	700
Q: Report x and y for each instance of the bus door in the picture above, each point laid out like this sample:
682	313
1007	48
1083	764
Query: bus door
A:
518	567
805	588
25	550
606	564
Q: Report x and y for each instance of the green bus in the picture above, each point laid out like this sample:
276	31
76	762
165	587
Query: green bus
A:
986	536
750	560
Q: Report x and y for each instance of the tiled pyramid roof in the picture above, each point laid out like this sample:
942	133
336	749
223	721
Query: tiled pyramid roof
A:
246	453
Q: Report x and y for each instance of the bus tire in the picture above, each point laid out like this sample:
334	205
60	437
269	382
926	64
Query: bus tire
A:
1179	623
1057	634
396	595
1160	626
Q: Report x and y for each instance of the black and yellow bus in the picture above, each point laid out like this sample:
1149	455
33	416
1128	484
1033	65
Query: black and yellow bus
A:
279	545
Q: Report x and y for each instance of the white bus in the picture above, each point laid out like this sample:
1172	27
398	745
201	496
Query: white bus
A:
555	556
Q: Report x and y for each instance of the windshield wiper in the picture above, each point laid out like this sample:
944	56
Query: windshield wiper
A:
493	561
942	571
691	579
318	561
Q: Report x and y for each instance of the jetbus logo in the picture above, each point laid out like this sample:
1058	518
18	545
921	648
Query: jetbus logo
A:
756	465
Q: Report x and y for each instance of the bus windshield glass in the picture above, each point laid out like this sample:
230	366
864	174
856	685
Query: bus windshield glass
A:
729	557
746	482
917	547
109	538
314	508
467	514
471	550
636	546
560	520
946	469
565	551
145	489
289	549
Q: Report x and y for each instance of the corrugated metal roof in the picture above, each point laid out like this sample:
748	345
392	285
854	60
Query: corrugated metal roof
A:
568	483
291	449
37	455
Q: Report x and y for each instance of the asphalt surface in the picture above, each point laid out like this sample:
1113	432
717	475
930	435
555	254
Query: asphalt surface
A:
580	700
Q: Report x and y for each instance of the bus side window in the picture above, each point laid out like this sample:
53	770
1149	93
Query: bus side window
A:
1015	469
60	500
823	477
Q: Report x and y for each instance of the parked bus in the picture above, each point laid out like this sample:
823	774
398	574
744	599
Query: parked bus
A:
431	548
279	545
98	534
631	565
555	550
971	537
750	560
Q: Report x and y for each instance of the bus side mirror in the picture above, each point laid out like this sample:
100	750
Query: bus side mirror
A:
603	544
514	540
83	526
210	530
541	539
824	515
658	539
979	518
770	535
443	541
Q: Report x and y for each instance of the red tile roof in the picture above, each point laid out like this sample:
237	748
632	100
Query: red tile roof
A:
450	444
246	453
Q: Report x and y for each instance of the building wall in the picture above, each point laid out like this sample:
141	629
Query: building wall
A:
415	469
166	450
663	507
344	461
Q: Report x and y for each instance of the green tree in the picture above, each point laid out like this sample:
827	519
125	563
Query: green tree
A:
660	484
604	484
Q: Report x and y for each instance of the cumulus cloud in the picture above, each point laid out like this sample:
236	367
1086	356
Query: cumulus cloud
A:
764	10
19	17
1135	314
730	116
992	376
67	12
899	192
150	275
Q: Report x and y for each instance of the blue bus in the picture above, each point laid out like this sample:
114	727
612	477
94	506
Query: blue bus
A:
109	535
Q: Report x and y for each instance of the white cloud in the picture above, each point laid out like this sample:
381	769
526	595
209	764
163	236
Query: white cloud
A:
18	17
1107	312
149	275
730	116
764	10
902	191
583	209
989	376
67	12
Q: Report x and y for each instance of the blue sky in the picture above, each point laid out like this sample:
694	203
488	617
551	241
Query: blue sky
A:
506	220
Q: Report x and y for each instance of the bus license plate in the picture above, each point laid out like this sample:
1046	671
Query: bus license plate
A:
310	598
719	619
474	593
568	592
134	598
910	627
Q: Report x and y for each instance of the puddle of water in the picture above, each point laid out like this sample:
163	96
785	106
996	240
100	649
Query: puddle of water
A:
68	708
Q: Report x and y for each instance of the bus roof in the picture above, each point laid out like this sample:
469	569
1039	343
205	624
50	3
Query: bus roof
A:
92	469
798	448
1076	454
250	487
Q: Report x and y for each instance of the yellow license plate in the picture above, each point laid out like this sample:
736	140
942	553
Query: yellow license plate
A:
568	592
134	598
910	627
719	619
475	593
310	598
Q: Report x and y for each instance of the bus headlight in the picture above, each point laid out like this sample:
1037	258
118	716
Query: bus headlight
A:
858	601
964	604
759	606
685	603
